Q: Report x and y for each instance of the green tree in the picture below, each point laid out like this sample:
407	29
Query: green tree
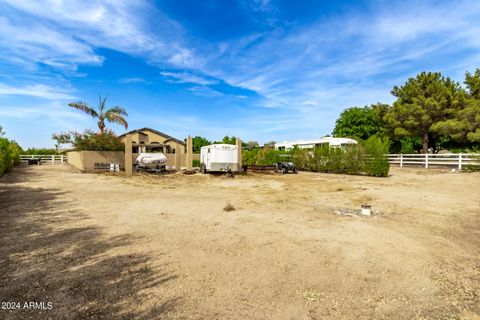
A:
464	126
270	144
472	111
100	141
250	144
361	122
421	103
199	142
115	114
61	138
228	140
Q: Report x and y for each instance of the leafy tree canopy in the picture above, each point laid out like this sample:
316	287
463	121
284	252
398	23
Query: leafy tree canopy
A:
463	125
228	140
96	141
199	142
361	122
422	102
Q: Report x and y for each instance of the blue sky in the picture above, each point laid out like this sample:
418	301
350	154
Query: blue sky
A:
259	69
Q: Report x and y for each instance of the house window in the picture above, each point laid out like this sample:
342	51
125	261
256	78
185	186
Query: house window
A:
173	150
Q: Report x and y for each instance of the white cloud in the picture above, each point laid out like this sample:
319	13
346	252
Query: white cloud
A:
350	59
187	77
205	91
132	80
37	91
72	30
30	43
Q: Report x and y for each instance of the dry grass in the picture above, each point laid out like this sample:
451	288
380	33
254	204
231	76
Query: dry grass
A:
229	207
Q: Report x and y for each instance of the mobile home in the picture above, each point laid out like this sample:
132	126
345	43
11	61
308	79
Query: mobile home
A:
312	143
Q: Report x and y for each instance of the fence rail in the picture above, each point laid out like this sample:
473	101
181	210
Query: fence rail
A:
458	160
44	158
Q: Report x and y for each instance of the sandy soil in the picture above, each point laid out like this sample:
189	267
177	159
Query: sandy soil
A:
107	247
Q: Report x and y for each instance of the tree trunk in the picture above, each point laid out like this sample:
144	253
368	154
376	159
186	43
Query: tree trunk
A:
101	125
425	142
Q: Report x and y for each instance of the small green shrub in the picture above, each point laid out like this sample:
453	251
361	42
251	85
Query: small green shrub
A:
196	163
376	162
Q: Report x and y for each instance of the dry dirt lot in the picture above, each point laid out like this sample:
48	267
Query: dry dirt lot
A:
100	246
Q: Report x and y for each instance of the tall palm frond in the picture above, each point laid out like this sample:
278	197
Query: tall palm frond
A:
84	107
117	114
119	110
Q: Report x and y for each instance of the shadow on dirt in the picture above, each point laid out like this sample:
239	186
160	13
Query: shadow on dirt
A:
72	267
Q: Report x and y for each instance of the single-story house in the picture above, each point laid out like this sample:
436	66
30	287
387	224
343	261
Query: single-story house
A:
148	139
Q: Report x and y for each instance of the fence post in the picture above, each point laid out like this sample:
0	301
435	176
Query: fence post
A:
401	160
426	160
61	158
53	159
460	161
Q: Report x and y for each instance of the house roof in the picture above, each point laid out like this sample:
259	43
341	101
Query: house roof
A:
154	131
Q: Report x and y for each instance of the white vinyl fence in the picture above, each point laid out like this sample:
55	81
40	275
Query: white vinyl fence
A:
44	158
458	160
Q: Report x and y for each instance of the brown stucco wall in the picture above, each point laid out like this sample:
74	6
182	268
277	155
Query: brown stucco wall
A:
152	137
74	158
84	160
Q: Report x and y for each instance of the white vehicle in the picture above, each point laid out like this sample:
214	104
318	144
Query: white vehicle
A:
310	144
219	158
151	161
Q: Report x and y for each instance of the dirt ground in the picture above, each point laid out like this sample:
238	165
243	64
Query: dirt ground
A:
102	246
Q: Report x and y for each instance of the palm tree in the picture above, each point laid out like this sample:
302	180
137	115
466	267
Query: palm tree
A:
115	114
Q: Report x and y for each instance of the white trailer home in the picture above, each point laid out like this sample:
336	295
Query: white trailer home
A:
312	143
219	158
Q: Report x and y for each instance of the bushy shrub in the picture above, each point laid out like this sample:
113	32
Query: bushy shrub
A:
369	158
261	156
376	161
9	155
195	163
93	141
249	157
33	151
325	159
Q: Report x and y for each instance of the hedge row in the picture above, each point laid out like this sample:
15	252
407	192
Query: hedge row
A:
9	155
368	158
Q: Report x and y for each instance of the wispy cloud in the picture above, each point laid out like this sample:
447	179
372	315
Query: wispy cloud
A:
31	43
187	77
205	91
335	60
37	91
132	80
72	31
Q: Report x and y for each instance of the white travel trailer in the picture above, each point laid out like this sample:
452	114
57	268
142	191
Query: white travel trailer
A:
219	158
310	144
